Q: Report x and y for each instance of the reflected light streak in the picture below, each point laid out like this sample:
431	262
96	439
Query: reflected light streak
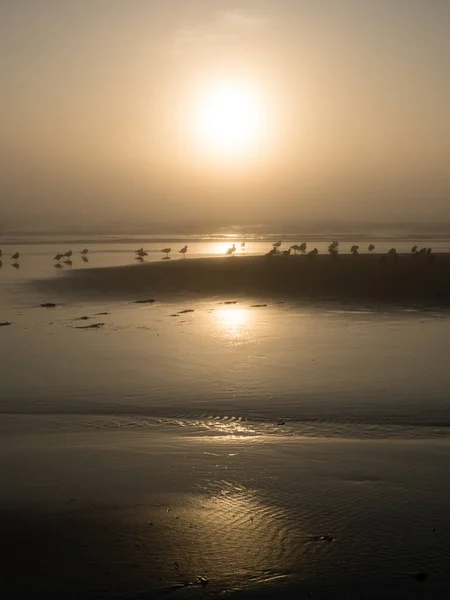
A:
233	322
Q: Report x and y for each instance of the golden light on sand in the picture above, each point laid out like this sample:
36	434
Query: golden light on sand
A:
233	322
230	119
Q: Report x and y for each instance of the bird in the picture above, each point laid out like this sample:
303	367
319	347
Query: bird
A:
303	247
295	248
277	244
58	256
371	248
183	251
414	249
313	253
166	252
354	250
141	253
243	245
68	254
15	256
333	248
85	251
286	252
141	249
272	252
231	250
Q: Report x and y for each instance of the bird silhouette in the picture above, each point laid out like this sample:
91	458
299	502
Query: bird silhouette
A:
303	247
166	252
295	248
371	248
414	249
58	257
354	250
286	252
85	251
15	256
277	244
183	251
68	254
231	250
243	245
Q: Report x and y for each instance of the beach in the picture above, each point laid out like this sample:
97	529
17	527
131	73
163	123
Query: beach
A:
223	438
408	278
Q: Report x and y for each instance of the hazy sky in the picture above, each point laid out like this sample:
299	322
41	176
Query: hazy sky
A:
100	106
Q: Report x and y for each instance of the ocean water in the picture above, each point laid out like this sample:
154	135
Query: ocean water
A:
322	431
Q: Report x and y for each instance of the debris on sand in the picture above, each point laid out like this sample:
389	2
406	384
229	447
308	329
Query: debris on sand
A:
257	305
175	315
5	324
203	581
48	305
85	318
186	310
229	302
149	301
101	314
93	326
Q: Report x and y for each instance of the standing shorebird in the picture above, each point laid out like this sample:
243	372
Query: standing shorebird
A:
58	256
277	244
183	251
166	252
15	256
295	248
68	254
371	248
231	250
242	245
85	251
141	253
354	250
302	247
286	252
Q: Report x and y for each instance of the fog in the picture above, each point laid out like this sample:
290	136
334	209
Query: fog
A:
96	118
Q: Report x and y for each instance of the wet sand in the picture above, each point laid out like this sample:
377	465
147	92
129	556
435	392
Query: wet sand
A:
131	515
365	277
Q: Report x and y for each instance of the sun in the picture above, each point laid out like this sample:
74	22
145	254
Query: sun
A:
230	119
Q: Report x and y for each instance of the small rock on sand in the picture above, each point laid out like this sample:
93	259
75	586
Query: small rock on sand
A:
186	310
5	324
82	318
93	326
257	305
48	305
101	314
148	301
230	302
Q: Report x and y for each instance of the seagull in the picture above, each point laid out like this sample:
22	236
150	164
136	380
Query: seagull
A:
68	254
85	251
303	248
231	250
277	244
58	257
371	248
15	256
183	251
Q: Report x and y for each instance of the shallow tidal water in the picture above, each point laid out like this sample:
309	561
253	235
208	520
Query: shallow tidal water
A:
275	447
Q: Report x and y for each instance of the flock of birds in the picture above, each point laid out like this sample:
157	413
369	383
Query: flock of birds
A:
333	250
141	253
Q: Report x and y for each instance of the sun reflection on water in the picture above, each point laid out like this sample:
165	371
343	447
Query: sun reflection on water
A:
233	322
